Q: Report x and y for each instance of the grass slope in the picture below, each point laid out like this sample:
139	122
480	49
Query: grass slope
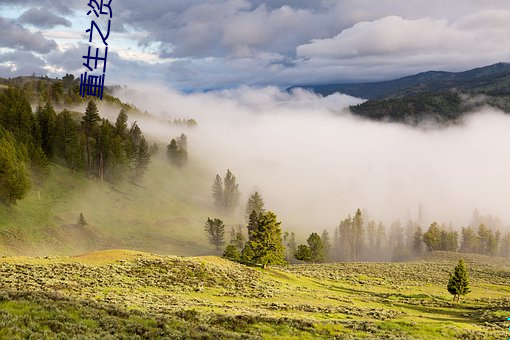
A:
128	294
164	213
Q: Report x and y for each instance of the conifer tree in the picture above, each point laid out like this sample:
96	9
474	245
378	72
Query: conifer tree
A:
232	253
143	158
326	243
255	203
231	192
121	126
470	243
418	241
303	253
215	231
217	192
357	234
89	122
14	175
266	241
81	220
316	247
458	284
432	237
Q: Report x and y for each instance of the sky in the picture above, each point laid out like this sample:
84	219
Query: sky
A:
193	45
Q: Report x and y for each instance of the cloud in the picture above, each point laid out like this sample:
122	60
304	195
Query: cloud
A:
41	18
21	62
481	38
15	36
66	7
314	163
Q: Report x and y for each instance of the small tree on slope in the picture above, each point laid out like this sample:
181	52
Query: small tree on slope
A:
458	284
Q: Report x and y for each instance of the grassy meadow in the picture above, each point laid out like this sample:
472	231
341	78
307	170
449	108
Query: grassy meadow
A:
135	295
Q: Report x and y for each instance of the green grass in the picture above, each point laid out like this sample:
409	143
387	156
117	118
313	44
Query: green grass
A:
138	295
164	213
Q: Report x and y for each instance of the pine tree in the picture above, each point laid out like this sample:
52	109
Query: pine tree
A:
303	253
81	221
345	233
253	224
215	230
89	122
470	243
67	139
237	237
217	193
121	126
289	240
316	247
418	241
326	243
381	241
458	284
255	203
432	237
230	192
247	254
177	151
357	234
232	253
14	175
143	158
266	241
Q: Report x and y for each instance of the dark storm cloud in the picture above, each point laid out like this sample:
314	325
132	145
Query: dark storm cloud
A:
16	36
41	18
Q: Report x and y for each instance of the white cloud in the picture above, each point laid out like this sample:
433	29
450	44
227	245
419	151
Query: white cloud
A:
483	37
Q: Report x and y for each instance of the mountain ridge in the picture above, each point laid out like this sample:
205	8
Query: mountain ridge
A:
491	78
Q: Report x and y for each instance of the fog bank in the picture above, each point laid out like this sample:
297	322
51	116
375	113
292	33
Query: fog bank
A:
315	163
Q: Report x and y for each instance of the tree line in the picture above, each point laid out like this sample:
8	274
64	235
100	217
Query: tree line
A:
30	140
357	240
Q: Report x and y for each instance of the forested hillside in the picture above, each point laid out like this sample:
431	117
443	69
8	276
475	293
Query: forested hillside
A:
443	97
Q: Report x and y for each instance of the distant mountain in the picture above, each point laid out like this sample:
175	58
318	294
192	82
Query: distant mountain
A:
493	79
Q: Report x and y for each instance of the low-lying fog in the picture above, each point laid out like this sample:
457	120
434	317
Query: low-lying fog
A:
315	163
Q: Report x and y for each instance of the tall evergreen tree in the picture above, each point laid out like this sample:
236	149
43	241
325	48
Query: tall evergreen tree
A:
46	118
231	192
326	243
121	126
470	243
215	231
232	253
316	247
237	237
67	139
266	241
381	240
14	176
357	234
303	253
143	158
89	122
217	193
418	241
432	237
458	284
255	203
345	231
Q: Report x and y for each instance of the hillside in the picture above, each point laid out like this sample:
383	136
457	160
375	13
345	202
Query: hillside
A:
443	97
488	79
165	213
139	295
